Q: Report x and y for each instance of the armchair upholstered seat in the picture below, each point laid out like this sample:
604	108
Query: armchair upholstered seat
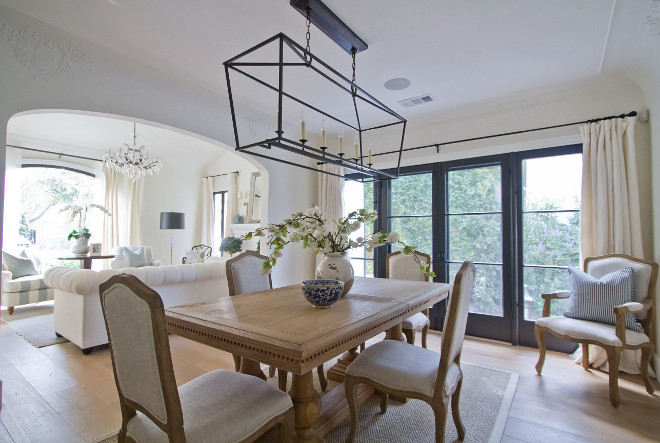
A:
219	406
396	368
402	266
616	338
245	275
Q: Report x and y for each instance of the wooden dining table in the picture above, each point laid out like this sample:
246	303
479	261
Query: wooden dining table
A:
280	328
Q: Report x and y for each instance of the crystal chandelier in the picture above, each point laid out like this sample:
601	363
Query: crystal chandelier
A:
133	161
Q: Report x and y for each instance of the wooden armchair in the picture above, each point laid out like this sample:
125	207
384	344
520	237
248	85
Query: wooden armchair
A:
203	249
612	338
402	266
219	406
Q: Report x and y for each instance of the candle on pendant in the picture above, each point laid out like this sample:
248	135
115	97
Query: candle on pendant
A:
279	127
322	132
341	140
355	140
302	124
371	145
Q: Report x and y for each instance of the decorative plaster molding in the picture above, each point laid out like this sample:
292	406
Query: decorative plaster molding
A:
653	20
45	59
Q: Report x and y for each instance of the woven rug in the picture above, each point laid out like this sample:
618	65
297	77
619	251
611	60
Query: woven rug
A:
486	398
34	323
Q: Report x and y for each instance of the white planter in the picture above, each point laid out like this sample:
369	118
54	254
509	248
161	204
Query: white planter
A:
336	266
80	246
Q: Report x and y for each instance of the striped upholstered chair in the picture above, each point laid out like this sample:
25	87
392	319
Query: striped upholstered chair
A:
632	320
219	406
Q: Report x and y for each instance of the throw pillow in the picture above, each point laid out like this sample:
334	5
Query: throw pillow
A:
136	259
195	255
32	255
594	299
19	266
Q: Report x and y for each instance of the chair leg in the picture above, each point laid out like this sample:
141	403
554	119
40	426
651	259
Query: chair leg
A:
384	396
286	428
282	376
350	387
613	355
410	335
425	331
647	353
237	362
455	412
440	413
322	380
271	371
585	356
362	346
10	310
540	340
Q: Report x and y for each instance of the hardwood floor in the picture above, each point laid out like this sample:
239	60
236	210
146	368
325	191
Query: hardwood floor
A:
56	394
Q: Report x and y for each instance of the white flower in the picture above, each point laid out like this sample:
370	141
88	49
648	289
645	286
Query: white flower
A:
272	229
294	237
375	239
278	253
359	239
393	237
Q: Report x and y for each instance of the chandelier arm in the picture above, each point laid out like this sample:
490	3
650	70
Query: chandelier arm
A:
296	51
255	47
231	105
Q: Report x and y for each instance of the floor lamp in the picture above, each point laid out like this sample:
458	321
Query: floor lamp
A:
172	220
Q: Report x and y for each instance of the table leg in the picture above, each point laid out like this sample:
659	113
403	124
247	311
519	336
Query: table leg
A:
395	333
251	367
306	407
337	371
87	263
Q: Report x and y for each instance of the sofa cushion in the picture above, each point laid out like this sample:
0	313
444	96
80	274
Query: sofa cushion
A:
195	255
19	266
27	283
136	259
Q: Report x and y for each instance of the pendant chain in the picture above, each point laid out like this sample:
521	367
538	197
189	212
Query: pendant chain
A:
309	22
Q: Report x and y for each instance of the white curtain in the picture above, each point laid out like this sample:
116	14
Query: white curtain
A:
232	203
12	209
111	224
331	195
134	214
610	214
609	217
208	185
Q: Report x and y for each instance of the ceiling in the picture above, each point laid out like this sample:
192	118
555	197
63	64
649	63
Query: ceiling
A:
459	52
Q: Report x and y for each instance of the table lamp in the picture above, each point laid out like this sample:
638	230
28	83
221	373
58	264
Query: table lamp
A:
172	220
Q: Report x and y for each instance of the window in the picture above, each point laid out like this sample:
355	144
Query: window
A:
219	215
411	211
358	196
44	190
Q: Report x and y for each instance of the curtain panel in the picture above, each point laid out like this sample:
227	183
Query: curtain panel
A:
331	195
208	186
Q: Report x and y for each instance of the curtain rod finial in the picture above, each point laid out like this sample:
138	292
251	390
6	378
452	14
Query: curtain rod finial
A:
643	116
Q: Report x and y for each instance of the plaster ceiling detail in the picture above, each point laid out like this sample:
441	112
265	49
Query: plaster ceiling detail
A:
45	59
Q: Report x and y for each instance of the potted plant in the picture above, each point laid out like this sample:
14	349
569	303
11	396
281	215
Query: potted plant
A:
231	245
82	234
315	231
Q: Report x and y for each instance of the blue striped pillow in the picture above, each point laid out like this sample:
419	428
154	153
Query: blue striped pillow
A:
593	299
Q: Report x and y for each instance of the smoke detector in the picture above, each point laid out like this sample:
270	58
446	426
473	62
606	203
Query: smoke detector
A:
415	101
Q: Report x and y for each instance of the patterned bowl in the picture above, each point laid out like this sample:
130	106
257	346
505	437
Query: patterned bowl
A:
322	293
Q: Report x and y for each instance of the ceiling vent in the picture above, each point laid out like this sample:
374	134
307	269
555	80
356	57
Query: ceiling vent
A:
414	101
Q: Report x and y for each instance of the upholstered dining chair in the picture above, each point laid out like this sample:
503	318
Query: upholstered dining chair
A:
402	266
204	251
632	321
396	368
219	406
244	275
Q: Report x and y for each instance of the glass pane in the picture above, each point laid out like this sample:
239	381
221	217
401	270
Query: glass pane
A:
475	237
414	231
475	190
551	239
363	268
539	281
218	218
552	182
357	196
412	195
487	293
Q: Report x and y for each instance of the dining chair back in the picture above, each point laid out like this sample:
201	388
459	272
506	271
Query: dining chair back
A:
245	273
152	407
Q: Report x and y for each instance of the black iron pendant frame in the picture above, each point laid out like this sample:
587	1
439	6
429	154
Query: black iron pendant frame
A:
297	146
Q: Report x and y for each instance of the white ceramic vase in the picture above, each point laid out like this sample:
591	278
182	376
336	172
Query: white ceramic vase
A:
336	266
80	246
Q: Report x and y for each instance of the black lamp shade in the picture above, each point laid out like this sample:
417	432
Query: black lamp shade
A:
172	220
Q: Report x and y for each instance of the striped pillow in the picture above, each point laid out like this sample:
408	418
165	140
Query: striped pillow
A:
593	299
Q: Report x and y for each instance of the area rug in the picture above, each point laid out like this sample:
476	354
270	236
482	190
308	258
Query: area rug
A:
34	323
486	398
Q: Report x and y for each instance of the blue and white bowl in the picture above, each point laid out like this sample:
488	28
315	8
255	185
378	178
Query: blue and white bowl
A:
322	293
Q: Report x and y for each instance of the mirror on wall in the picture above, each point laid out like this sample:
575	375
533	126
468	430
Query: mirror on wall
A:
254	199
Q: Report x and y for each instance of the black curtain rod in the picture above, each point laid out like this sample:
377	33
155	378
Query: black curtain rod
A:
437	145
60	154
220	175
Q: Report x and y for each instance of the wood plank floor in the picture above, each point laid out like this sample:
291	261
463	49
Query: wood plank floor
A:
56	394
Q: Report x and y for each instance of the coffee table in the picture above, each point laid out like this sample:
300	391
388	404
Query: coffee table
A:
86	260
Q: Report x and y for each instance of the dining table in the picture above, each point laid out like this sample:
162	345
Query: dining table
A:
279	327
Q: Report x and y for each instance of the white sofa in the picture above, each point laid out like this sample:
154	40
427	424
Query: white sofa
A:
78	315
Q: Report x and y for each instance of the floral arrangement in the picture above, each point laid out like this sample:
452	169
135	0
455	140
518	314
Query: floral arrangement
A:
231	245
313	229
80	212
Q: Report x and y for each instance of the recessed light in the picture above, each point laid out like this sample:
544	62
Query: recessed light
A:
396	84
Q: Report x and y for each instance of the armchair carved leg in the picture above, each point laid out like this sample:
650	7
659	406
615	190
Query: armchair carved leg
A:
10	310
425	332
410	335
440	412
613	355
647	352
455	412
585	356
540	340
